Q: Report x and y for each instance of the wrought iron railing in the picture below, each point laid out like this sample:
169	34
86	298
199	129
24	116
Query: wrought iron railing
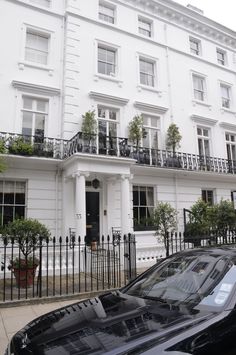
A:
111	146
66	266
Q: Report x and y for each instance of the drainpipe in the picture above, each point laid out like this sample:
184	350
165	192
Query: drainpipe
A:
56	201
168	73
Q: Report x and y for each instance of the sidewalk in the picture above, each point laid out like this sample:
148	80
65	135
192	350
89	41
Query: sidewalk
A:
14	318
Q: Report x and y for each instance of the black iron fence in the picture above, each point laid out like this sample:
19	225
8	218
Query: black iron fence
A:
111	146
65	267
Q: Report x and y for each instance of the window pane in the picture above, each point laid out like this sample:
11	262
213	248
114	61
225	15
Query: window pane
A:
27	123
19	212
143	200
135	197
8	214
27	103
41	105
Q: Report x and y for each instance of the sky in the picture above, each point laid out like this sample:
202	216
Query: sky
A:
220	11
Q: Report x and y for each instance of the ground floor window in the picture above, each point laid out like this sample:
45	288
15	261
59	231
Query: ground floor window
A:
12	200
208	196
143	205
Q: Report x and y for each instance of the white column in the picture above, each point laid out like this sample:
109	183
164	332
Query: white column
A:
80	205
125	205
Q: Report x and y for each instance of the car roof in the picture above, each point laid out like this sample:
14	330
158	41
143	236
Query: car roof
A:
218	250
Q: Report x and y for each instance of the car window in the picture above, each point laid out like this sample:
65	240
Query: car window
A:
188	279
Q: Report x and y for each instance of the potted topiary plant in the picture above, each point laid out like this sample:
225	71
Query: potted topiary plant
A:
136	133
25	237
173	139
164	219
89	130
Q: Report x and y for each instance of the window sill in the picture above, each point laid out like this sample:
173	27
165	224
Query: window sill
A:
223	110
109	78
23	64
202	103
149	88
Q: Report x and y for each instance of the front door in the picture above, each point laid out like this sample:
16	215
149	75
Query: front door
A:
92	216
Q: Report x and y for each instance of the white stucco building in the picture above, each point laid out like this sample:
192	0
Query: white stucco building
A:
120	58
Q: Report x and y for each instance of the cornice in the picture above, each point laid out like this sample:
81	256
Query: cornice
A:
34	88
143	106
115	100
204	120
180	15
229	126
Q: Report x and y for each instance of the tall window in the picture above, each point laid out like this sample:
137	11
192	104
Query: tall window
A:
221	56
12	201
208	196
203	141
225	95
36	48
45	3
145	27
106	60
195	46
231	147
34	114
147	72
106	12
199	88
107	128
151	125
143	205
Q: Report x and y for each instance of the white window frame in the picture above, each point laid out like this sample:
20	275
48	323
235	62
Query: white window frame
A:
230	145
204	138
115	49
44	35
23	62
149	128
34	112
143	31
153	75
196	91
103	16
207	192
14	205
195	51
147	206
223	60
226	100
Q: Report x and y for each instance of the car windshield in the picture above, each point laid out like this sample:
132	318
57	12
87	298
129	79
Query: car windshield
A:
204	279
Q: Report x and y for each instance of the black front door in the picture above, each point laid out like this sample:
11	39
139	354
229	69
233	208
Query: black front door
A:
92	216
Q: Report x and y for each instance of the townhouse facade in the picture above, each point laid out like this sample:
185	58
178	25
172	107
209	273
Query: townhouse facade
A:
118	58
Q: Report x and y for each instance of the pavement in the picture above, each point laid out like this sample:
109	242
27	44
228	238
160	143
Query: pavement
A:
13	318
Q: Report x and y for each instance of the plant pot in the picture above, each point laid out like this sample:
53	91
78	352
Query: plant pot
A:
24	277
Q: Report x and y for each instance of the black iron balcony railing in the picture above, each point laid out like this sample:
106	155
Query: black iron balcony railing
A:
111	146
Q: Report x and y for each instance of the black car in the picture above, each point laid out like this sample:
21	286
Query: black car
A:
186	303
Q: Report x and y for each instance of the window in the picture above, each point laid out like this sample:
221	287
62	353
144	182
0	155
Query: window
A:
203	141
151	125
199	88
143	205
207	196
34	115
36	48
195	46
106	60
144	27
45	3
147	72
225	95
106	12
221	57
12	201
107	128
231	146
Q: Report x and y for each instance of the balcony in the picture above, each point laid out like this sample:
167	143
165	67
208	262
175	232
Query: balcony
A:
111	146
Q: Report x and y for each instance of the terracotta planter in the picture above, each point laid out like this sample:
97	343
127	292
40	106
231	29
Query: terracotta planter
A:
24	277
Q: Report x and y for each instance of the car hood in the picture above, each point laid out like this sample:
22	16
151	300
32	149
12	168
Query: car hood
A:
99	325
